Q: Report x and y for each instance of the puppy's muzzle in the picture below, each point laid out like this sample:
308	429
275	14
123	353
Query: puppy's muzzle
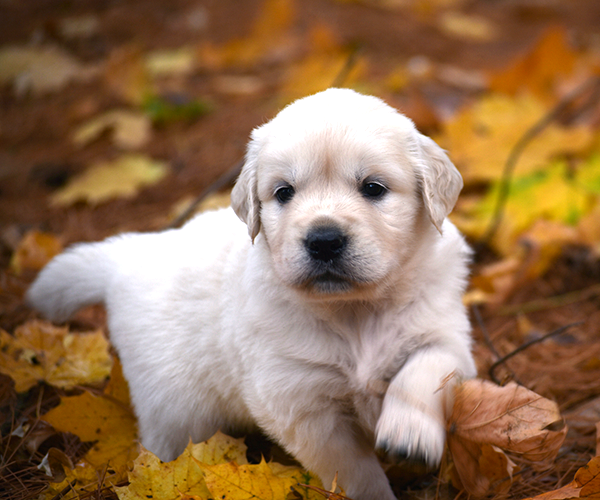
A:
326	243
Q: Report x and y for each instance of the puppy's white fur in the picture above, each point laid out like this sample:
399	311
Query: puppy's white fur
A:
331	357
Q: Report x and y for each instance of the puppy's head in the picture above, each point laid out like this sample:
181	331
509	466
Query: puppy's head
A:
342	186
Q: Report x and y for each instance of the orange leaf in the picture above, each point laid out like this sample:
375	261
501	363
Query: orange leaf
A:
538	70
34	251
585	485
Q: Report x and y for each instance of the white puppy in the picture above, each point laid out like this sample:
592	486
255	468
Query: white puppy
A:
336	327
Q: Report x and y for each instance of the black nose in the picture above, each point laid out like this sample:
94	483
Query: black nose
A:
325	243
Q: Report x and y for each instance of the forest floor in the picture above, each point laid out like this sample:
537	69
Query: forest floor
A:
207	72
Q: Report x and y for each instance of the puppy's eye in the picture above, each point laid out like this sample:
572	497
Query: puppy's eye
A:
373	190
284	194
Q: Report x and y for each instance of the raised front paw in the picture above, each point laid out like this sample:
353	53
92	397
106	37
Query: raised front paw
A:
407	434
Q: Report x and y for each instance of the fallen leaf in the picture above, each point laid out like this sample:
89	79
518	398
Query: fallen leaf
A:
34	251
163	110
181	61
151	478
121	178
39	351
307	487
322	66
80	482
542	208
585	485
540	68
183	476
548	197
488	420
105	419
269	37
40	69
126	75
130	129
246	482
495	123
467	26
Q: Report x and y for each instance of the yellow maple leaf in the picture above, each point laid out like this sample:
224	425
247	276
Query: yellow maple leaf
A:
121	178
40	351
151	478
106	419
246	482
480	138
549	194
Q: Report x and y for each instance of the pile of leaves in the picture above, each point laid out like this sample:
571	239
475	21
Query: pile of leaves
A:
524	134
87	444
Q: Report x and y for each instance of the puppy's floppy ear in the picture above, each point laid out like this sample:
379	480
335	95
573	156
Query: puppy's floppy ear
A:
440	180
244	197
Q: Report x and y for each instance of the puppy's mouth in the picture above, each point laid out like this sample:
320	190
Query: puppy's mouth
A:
329	282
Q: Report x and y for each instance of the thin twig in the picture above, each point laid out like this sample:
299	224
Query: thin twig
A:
550	302
484	332
488	340
224	180
521	348
522	143
341	77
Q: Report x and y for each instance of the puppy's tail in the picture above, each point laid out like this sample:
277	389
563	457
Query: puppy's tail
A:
75	278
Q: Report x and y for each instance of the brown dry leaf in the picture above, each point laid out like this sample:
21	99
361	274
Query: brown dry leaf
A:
34	251
130	129
105	419
121	178
40	351
540	68
487	420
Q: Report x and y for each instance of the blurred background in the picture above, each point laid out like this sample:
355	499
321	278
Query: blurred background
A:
125	115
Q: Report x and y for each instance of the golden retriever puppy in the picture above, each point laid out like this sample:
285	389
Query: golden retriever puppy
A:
327	312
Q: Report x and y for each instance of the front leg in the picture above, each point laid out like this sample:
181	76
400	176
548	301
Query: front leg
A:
327	441
412	424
